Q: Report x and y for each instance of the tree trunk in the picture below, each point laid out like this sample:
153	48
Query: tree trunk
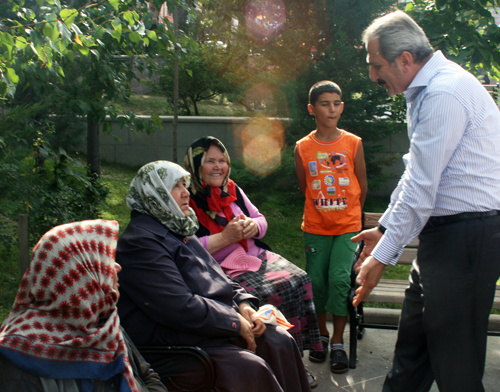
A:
93	147
176	88
186	106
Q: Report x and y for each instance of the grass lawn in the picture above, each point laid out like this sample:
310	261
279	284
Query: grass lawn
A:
158	105
117	178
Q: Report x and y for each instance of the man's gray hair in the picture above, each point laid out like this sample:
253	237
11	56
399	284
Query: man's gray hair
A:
396	33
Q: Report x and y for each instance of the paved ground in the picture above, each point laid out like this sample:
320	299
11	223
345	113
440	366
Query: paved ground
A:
374	360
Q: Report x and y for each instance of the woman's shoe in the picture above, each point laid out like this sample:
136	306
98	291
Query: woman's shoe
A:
320	356
312	380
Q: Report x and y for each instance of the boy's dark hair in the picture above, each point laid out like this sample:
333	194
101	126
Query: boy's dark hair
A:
325	86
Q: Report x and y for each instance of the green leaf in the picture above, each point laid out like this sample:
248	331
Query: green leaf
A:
135	37
37	50
70	55
7	39
55	46
129	18
114	4
36	38
117	32
152	35
63	29
28	14
51	31
7	51
409	7
21	42
83	50
10	91
68	15
99	32
51	17
75	28
11	74
156	121
84	106
96	53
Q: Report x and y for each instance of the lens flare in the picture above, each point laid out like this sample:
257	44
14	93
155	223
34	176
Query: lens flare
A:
265	19
262	140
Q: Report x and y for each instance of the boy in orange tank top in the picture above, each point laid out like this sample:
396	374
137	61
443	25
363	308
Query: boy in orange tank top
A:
331	170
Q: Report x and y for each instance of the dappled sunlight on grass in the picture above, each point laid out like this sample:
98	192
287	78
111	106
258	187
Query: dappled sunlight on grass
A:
118	178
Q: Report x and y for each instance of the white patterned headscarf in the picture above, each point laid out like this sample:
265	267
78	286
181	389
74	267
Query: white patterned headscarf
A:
64	323
149	194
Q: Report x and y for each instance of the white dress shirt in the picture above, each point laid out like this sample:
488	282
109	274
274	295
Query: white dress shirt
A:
453	165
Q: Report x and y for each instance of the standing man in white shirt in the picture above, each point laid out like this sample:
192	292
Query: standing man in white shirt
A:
448	195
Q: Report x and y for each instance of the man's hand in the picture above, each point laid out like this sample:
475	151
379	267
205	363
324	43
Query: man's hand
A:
371	238
368	277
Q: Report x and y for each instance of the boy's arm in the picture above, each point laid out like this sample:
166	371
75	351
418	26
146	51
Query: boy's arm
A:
299	169
360	172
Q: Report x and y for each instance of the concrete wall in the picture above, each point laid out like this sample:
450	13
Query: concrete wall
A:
125	146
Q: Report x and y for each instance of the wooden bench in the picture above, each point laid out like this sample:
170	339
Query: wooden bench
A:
392	291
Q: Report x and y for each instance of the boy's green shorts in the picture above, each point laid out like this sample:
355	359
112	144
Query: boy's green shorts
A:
328	264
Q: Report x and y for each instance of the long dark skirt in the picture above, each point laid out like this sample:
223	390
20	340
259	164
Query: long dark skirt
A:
286	286
275	367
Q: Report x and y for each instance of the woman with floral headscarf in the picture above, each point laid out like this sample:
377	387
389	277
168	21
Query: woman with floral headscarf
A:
174	293
63	333
231	228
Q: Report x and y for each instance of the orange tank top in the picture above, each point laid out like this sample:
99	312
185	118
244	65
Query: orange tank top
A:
332	205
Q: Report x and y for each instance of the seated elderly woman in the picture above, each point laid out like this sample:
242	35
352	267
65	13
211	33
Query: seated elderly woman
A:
231	228
174	293
63	333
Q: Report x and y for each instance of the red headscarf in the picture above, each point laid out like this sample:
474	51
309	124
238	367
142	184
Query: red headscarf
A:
205	200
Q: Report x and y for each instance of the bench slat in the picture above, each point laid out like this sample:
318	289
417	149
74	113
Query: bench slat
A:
496	301
371	221
392	291
382	316
408	255
389	290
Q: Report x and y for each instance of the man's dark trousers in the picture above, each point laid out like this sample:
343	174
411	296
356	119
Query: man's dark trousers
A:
444	320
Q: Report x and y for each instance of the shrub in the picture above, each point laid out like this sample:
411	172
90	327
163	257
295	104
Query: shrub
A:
40	180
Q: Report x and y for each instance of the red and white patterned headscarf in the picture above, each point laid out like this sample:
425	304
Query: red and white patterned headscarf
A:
64	323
